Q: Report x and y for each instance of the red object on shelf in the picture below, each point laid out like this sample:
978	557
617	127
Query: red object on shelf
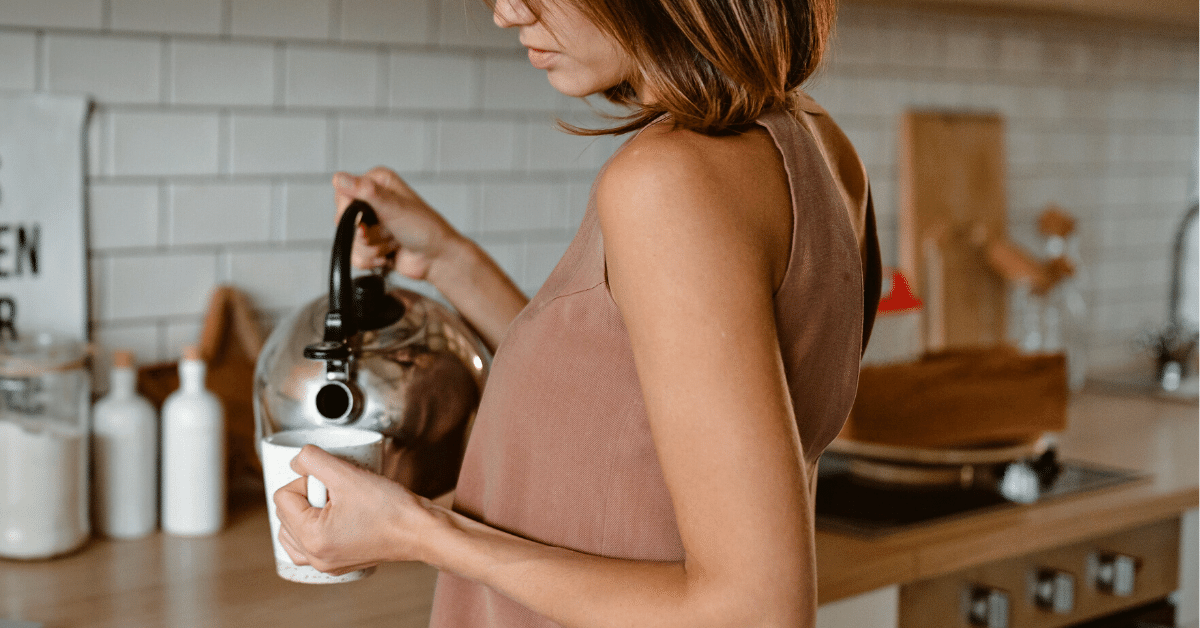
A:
901	298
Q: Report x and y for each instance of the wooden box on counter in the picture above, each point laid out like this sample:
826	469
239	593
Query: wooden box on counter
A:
966	397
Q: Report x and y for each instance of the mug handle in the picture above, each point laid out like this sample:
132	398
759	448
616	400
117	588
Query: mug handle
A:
317	495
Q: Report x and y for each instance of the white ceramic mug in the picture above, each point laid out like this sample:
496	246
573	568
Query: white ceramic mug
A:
362	448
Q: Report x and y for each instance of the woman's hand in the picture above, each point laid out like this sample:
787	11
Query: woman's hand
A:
368	519
417	242
410	234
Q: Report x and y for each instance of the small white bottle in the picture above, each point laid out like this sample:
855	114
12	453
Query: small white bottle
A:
193	458
124	456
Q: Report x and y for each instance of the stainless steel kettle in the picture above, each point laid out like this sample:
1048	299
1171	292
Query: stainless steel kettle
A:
374	358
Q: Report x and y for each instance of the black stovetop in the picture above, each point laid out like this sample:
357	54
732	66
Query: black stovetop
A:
846	504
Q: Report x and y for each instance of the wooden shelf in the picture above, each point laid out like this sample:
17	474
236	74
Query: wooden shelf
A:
1176	17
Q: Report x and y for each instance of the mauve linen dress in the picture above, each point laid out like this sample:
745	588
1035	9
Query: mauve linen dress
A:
561	451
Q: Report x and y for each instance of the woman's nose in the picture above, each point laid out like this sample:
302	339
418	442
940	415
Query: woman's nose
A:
509	13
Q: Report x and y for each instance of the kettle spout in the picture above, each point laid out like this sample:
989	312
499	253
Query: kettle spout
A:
339	402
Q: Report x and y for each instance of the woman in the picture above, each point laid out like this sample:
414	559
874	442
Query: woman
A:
645	451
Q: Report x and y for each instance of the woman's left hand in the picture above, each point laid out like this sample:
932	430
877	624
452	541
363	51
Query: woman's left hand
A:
368	519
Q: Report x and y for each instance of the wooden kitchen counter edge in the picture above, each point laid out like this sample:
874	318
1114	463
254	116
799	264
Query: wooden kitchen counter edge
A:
229	580
849	565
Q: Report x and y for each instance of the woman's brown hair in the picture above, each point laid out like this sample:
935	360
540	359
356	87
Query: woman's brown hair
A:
713	65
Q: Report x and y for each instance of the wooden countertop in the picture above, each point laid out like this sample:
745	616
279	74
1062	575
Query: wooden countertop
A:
1156	436
229	580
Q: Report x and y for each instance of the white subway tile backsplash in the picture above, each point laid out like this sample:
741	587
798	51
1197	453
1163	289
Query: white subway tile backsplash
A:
523	207
875	149
163	143
111	69
167	16
470	24
1124	189
422	80
1025	148
509	256
386	21
540	259
140	338
923	47
578	196
1063	55
99	150
552	149
53	13
208	73
284	279
859	45
280	19
122	216
456	202
220	213
397	143
884	196
167	284
972	49
510	84
278	144
604	148
309	212
1177	106
239	130
1020	54
329	77
464	145
98	273
18	50
180	334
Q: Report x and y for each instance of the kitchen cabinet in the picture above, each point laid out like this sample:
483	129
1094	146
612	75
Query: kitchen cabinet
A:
878	609
1174	15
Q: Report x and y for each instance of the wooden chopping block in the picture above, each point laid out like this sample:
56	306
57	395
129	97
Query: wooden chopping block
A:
230	342
961	398
952	180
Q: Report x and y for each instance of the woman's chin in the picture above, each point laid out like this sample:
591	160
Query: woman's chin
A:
571	86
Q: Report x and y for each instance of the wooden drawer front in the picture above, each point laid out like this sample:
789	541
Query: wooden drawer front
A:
942	602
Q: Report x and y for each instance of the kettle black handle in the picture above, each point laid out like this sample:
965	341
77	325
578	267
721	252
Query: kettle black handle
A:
340	322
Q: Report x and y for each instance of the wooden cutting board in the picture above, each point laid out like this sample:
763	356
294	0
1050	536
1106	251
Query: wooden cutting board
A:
952	188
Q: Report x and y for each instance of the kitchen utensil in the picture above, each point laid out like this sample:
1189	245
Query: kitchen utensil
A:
380	359
45	395
360	447
1016	471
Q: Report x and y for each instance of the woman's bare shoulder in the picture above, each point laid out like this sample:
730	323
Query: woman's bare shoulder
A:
728	191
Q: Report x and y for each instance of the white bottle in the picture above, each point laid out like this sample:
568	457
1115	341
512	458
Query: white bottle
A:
124	457
193	457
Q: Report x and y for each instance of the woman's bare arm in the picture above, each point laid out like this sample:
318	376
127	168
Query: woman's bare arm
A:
695	249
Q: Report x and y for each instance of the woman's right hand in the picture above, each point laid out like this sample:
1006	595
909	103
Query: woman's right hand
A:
410	235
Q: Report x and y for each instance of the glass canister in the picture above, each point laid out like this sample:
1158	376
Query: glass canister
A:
45	395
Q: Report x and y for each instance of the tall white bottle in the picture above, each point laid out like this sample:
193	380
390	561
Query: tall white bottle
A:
124	456
193	482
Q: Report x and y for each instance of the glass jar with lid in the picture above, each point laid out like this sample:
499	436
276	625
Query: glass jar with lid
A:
45	392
